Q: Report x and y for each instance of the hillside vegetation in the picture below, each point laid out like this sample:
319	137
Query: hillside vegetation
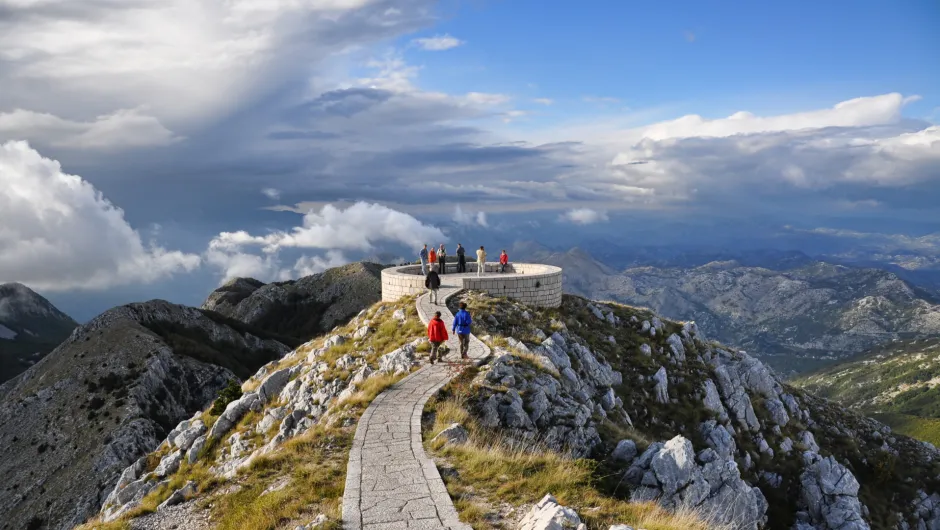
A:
899	383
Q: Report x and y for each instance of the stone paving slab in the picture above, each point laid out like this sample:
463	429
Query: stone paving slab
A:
390	481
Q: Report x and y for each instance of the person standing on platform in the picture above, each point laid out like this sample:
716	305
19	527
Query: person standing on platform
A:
481	261
442	258
432	257
423	256
461	258
461	327
433	282
503	261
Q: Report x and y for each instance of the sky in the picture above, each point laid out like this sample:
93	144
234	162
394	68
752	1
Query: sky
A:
156	149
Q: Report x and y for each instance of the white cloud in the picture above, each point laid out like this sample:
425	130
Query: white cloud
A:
307	265
858	112
438	43
544	101
469	219
362	227
124	128
272	193
584	216
188	61
57	232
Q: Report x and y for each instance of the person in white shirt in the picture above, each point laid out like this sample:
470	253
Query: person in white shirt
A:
481	261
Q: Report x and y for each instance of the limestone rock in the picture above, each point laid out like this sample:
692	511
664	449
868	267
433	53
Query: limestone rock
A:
829	494
454	433
625	451
547	514
178	496
662	385
398	361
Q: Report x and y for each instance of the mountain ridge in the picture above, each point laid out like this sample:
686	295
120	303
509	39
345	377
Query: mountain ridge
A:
30	327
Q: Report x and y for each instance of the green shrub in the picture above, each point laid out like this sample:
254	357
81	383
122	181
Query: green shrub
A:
230	393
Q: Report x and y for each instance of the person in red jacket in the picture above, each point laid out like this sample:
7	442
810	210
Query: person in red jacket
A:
503	261
437	335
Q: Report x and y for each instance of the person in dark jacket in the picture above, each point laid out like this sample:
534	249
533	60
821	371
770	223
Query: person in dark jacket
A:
433	282
461	327
437	335
461	258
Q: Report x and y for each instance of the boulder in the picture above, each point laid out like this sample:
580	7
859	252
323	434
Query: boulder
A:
169	464
179	496
398	361
625	451
547	514
185	439
454	433
662	385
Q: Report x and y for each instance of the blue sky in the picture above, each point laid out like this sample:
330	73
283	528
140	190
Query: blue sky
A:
157	149
703	57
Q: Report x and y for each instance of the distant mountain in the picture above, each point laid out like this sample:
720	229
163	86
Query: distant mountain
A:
297	310
30	327
898	382
108	395
796	317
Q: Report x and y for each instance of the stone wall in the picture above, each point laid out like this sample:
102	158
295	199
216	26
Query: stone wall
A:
530	283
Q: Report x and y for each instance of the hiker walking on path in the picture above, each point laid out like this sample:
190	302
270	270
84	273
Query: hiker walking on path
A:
433	282
437	335
503	261
423	254
481	261
461	327
442	258
461	259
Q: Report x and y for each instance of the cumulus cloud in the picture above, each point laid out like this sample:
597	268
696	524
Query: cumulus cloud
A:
307	265
362	227
438	43
584	216
58	232
271	193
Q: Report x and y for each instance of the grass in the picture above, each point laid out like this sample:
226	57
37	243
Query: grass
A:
312	466
924	429
492	469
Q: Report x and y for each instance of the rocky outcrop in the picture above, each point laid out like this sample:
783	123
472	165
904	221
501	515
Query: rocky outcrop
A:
551	400
108	395
303	308
674	476
829	496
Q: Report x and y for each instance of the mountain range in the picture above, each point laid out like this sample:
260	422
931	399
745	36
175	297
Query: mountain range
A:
797	316
30	327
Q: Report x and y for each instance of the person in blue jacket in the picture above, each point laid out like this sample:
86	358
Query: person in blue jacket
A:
461	327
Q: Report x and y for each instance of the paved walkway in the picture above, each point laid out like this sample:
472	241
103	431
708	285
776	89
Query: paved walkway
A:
390	481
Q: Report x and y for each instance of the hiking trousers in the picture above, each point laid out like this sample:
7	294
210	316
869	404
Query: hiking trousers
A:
436	351
464	344
432	296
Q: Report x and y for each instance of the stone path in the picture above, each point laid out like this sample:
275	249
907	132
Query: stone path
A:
390	481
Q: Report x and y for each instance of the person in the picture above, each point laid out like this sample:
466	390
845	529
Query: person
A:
503	261
437	335
432	257
481	261
461	259
462	323
423	255
442	258
433	282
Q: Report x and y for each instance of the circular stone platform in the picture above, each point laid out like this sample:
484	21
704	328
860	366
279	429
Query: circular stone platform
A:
530	283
